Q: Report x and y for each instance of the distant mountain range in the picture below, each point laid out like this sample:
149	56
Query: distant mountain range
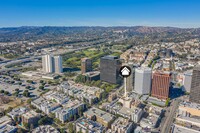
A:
31	32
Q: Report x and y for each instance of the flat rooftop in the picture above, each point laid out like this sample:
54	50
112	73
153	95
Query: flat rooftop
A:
197	68
193	119
30	114
104	115
89	124
122	123
110	57
190	105
143	69
181	129
18	111
5	120
7	128
128	111
45	129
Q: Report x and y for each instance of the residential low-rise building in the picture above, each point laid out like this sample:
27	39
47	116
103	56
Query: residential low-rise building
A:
44	105
64	87
48	106
189	108
134	114
181	129
30	117
5	120
8	129
100	116
86	125
70	109
94	75
45	129
112	96
58	97
149	122
188	116
37	102
121	125
16	112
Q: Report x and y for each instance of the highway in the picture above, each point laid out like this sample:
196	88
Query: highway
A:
169	119
20	60
30	58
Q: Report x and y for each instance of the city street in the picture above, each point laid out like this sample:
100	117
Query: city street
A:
169	118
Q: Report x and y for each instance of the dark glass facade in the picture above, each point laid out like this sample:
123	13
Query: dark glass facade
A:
109	69
195	86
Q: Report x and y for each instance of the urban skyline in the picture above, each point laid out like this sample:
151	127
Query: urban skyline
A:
100	66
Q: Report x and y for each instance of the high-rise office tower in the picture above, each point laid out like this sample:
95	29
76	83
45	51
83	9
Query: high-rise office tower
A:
52	64
169	53
187	81
130	79
143	79
47	63
86	65
109	69
161	84
57	64
195	85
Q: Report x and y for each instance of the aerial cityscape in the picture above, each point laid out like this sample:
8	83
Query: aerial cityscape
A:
103	76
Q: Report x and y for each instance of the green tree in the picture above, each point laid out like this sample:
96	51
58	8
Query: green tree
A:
62	130
9	109
97	83
6	92
28	87
167	102
75	117
26	93
29	101
38	111
52	115
71	128
26	125
80	111
32	107
19	130
29	81
16	119
41	87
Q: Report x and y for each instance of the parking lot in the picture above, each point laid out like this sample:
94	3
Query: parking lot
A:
10	85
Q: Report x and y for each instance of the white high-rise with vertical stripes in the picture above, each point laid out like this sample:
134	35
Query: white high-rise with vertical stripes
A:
47	64
57	63
51	64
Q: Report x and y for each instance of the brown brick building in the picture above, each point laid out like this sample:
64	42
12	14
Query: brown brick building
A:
161	85
86	65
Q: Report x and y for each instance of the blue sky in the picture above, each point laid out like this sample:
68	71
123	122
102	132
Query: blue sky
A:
177	13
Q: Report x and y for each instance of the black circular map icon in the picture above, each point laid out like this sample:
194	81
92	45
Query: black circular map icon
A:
125	71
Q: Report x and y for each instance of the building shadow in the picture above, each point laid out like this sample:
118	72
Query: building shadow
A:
69	69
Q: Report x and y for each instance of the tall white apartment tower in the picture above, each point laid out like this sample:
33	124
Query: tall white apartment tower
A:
57	64
143	77
51	64
47	63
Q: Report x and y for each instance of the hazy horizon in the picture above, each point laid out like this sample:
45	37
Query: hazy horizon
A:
102	26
